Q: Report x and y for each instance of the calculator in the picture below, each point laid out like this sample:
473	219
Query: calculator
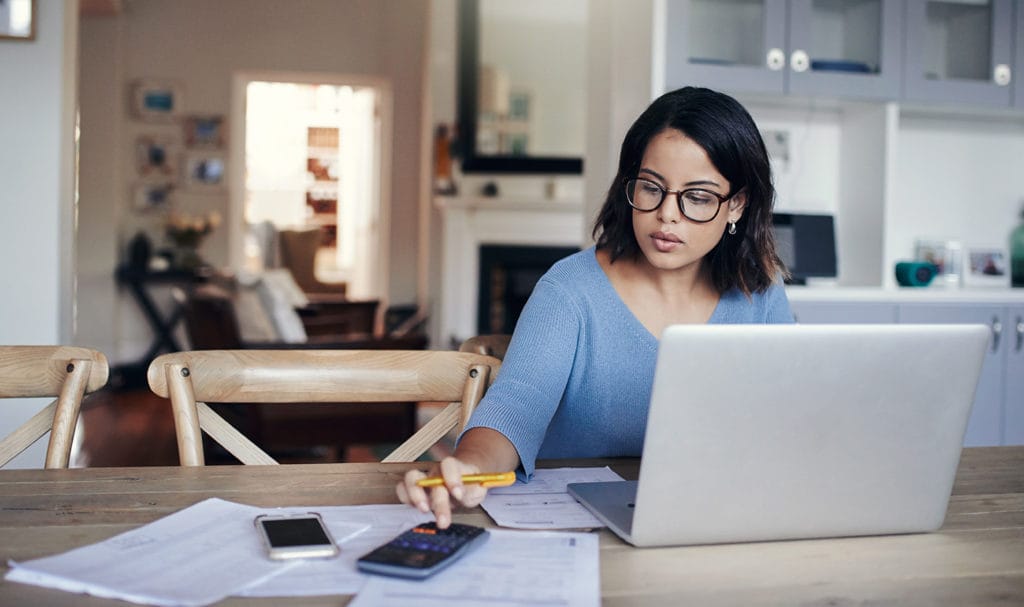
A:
422	551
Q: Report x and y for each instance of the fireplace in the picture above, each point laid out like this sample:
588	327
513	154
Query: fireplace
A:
542	231
508	274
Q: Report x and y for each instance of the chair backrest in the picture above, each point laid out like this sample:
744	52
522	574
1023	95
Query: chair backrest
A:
192	379
490	345
64	372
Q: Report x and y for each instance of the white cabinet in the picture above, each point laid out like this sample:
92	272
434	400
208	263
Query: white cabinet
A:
841	312
850	49
1013	396
960	52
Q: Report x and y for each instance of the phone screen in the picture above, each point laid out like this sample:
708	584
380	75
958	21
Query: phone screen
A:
303	536
288	532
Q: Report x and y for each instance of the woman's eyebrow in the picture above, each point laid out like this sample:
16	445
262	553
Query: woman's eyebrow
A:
688	184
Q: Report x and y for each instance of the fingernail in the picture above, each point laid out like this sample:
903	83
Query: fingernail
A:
457	492
442	521
423	506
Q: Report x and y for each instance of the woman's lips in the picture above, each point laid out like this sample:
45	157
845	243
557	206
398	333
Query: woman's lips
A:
666	242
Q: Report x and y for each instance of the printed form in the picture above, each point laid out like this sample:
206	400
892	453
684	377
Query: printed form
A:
512	568
544	502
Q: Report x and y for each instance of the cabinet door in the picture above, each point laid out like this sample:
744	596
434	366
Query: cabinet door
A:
732	45
843	313
845	49
958	52
986	424
1013	397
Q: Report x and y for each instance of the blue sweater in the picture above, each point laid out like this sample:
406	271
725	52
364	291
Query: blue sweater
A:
576	379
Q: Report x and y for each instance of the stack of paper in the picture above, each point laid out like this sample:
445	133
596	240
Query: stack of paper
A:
544	502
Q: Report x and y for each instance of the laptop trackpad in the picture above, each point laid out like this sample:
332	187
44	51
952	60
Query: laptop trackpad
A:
611	501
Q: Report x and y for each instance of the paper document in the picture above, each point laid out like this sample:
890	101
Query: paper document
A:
512	568
195	556
378	525
544	502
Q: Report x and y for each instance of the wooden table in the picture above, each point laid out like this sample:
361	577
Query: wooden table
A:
976	559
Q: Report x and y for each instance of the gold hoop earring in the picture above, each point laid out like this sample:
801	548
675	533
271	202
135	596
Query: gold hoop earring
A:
732	227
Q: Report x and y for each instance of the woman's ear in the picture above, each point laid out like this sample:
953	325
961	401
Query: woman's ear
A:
736	206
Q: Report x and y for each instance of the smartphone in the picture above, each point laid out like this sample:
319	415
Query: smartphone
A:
295	536
422	551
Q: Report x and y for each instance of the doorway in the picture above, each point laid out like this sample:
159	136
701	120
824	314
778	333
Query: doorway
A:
311	156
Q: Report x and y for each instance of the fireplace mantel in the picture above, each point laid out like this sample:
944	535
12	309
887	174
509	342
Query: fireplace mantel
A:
469	222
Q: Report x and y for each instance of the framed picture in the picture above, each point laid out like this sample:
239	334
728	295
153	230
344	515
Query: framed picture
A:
156	156
156	101
150	196
204	131
204	170
18	19
987	267
947	255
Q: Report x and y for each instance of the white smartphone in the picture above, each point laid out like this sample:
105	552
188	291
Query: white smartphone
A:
296	536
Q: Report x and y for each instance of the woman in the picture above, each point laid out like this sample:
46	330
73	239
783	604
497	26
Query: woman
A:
684	236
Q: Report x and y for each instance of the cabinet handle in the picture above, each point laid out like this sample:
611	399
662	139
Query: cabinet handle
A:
1020	334
1001	74
776	59
799	61
997	332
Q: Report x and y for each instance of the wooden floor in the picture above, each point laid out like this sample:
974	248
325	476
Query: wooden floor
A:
135	428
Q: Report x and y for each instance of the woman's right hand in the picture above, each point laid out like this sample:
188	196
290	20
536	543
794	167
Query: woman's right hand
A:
439	499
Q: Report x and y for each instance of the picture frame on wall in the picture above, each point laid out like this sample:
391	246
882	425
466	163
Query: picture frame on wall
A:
205	171
986	267
153	196
155	100
157	156
18	20
204	131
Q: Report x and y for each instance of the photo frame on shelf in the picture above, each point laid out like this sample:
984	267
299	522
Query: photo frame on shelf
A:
18	20
156	156
155	100
204	170
153	196
946	255
204	131
987	267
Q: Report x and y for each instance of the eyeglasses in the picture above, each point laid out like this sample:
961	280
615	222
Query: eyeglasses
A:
695	204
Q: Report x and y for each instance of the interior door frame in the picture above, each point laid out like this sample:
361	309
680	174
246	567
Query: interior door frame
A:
236	161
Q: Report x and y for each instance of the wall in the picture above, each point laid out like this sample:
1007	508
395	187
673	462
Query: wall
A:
200	45
37	199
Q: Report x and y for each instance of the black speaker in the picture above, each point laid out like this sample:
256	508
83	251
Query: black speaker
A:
915	273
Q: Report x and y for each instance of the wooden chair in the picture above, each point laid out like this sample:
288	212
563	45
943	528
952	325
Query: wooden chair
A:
64	372
193	379
489	345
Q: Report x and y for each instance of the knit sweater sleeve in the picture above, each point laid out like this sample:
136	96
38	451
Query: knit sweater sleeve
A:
534	373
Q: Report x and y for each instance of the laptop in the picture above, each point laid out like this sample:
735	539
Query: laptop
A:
777	432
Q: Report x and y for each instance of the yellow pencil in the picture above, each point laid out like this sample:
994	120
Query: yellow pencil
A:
494	479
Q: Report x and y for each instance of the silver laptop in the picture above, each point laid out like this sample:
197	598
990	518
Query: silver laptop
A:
772	432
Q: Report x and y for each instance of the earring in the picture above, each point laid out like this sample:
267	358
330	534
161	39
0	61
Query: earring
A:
732	227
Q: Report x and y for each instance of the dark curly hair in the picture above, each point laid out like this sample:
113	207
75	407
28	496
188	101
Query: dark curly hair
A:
718	123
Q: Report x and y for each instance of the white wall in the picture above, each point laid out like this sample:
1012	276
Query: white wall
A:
957	178
201	45
36	200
